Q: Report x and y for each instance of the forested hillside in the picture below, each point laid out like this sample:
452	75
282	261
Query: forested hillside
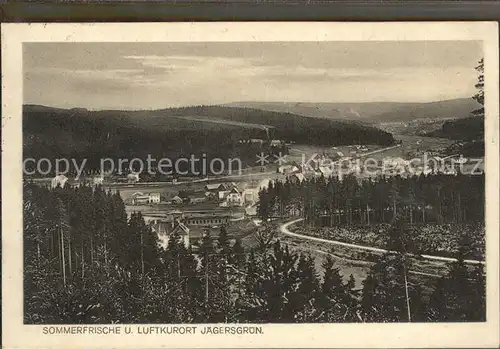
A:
293	127
215	131
466	129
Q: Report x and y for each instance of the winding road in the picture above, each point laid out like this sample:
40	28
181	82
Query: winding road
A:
284	230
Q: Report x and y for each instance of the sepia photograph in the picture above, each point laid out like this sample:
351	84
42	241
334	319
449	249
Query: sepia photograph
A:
254	182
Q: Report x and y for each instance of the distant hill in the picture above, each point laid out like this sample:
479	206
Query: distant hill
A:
449	109
371	112
338	111
242	122
174	132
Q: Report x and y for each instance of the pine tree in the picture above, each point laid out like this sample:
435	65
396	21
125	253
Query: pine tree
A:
351	283
144	251
336	302
208	274
368	300
120	239
302	303
265	235
224	244
239	254
479	96
459	296
387	295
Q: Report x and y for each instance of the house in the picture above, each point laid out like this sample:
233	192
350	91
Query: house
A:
183	231
219	191
250	195
288	169
296	178
139	198
216	190
59	180
325	171
215	187
212	196
200	220
165	229
234	198
197	200
154	198
133	177
222	195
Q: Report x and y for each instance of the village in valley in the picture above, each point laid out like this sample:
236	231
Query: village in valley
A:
193	207
296	212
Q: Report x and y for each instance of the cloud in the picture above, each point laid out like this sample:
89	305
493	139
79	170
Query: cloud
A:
88	74
150	76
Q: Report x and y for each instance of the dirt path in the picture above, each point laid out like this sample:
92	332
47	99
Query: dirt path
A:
284	230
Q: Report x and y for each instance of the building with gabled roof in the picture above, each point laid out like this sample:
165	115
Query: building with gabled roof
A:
250	195
234	198
139	198
325	171
288	169
165	229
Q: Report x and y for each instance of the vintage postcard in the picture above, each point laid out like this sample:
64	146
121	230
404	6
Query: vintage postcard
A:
181	185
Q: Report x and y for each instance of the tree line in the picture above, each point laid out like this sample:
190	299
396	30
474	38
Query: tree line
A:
421	199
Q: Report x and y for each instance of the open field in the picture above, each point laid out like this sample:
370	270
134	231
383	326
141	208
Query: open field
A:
349	263
358	263
222	122
409	145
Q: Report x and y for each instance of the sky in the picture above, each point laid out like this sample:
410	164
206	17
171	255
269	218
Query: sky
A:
159	75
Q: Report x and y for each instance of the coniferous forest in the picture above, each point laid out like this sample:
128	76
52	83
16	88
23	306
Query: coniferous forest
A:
435	207
86	262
